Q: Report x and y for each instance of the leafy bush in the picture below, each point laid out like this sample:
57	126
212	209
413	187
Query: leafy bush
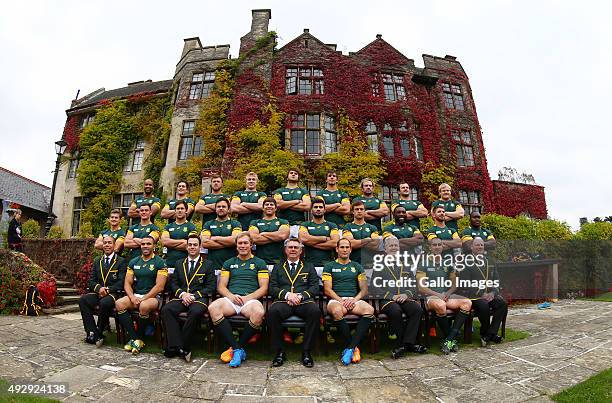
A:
595	230
85	230
82	277
55	232
30	229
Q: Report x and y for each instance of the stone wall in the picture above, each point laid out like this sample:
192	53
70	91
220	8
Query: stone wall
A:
61	257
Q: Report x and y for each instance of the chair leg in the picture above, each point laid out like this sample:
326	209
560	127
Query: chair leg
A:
503	327
467	329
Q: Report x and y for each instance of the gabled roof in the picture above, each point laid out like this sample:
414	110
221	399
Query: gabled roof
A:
381	43
309	36
23	191
131	89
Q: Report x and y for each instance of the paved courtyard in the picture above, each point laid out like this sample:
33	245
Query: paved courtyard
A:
569	343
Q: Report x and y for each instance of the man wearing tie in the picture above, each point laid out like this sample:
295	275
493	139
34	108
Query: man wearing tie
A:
191	284
105	284
293	285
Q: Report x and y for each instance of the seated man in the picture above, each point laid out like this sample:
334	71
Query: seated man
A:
487	301
244	280
190	284
400	300
105	284
145	280
293	285
431	274
344	282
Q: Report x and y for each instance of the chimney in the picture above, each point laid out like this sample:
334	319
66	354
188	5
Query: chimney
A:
260	21
190	44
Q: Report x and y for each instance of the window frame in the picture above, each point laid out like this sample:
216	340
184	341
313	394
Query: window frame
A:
372	137
470	200
200	81
310	78
73	166
136	157
195	142
311	135
453	96
464	147
391	84
79	204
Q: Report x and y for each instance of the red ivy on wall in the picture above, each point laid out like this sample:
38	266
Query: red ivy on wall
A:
71	133
512	199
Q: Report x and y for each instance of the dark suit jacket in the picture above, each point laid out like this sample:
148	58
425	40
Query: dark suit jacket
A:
111	277
487	271
305	281
202	282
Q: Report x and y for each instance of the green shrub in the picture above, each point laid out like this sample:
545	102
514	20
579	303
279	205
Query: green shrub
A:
85	230
55	232
30	229
552	230
595	230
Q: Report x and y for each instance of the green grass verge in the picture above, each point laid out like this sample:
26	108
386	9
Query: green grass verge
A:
6	396
259	350
595	389
605	297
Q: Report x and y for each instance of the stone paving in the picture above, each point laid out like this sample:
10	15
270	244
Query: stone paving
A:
569	343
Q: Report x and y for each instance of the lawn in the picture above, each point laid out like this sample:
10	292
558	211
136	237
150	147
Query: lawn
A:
5	396
597	388
605	297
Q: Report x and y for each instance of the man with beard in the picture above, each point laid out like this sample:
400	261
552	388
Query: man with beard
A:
292	201
105	284
449	237
476	231
318	235
361	234
414	208
375	207
453	211
182	188
337	203
174	237
147	198
114	230
206	204
244	281
219	235
145	280
269	233
137	232
408	236
248	203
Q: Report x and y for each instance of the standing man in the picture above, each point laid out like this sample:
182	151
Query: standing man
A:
453	211
206	204
293	285
244	280
409	236
319	236
219	235
345	283
360	233
114	230
147	198
191	284
248	203
293	201
14	232
105	284
414	208
269	233
337	203
175	234
376	209
448	236
476	231
136	233
182	188
145	280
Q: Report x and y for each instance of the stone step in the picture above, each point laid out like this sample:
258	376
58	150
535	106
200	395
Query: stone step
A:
67	291
61	309
62	283
67	299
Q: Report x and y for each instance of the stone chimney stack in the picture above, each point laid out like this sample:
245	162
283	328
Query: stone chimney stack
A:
259	29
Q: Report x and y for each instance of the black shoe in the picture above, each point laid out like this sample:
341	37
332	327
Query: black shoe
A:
416	348
279	359
398	352
496	339
91	338
484	341
171	353
307	360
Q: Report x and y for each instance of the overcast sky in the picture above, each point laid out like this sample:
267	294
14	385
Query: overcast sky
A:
539	71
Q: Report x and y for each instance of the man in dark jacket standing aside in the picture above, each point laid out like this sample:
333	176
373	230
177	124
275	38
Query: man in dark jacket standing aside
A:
105	285
293	285
14	232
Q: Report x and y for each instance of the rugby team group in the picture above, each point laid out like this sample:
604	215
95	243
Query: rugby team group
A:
256	250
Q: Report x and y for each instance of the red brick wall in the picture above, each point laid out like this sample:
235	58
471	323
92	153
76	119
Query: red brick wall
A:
61	257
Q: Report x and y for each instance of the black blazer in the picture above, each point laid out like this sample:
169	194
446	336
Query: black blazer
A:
202	282
305	281
486	271
112	277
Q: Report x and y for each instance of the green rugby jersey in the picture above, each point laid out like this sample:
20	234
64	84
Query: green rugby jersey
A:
178	231
372	203
244	275
410	206
140	231
359	231
449	206
331	197
470	233
314	256
288	194
221	228
140	200
400	231
212	198
434	271
172	205
272	252
145	272
344	277
248	196
444	233
118	234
